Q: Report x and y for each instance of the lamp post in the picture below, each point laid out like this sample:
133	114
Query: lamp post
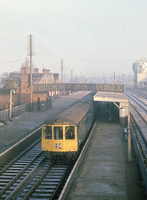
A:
129	133
10	111
129	136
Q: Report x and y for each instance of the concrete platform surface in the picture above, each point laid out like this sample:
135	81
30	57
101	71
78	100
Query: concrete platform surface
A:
105	173
23	125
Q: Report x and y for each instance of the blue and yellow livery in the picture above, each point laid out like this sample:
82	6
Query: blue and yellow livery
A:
63	135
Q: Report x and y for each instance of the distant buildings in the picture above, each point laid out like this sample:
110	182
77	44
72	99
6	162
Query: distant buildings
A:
140	73
40	101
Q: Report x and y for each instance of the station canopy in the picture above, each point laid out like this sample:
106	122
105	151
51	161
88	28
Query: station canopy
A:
111	97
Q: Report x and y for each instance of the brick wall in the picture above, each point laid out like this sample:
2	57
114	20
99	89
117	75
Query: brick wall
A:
5	100
16	111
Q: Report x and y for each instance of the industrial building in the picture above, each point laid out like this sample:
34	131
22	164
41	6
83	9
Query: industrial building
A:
140	73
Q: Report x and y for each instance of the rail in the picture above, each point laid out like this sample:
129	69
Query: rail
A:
138	110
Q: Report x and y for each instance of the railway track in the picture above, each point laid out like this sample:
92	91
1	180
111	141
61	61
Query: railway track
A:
139	138
139	121
138	108
139	125
46	184
141	93
139	100
30	175
16	173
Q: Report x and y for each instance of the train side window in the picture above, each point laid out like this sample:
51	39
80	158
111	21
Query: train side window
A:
69	132
58	132
47	132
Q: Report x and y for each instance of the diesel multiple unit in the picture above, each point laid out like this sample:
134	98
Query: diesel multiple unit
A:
63	135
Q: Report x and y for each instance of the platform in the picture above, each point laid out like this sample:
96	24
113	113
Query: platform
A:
105	173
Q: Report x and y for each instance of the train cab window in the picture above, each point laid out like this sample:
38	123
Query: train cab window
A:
58	133
69	132
47	132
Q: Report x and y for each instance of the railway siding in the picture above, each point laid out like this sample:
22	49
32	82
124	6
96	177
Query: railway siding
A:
138	108
140	121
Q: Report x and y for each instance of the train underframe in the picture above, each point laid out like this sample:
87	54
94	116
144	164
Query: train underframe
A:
54	156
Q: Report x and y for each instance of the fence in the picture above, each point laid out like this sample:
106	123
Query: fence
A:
16	111
5	101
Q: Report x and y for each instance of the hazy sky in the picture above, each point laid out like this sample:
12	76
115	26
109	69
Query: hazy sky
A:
91	36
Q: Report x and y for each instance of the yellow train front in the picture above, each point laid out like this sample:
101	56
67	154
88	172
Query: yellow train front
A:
62	136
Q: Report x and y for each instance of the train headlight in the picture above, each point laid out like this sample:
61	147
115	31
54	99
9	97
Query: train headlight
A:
60	146
56	146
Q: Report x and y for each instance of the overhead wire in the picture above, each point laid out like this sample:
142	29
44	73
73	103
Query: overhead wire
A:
89	60
12	61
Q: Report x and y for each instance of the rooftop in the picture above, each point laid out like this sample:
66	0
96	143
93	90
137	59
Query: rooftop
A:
110	97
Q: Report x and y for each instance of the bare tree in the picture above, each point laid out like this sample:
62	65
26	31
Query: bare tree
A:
8	81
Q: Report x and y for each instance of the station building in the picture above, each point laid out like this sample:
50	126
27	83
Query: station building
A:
40	100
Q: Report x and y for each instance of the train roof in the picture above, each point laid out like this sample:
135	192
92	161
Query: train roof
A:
72	115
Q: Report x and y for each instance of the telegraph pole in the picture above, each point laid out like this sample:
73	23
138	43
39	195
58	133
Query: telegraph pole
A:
71	76
61	70
31	72
30	53
114	78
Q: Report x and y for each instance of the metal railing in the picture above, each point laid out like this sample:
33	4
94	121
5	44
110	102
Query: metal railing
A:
78	87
